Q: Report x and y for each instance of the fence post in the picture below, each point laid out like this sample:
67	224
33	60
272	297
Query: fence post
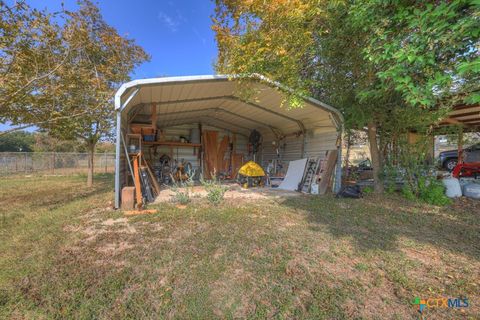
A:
53	162
25	162
105	160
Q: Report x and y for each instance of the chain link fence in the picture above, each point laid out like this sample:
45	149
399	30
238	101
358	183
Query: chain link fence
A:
54	163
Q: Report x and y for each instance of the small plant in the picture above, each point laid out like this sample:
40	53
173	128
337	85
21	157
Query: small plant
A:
367	190
215	191
408	192
432	191
183	196
361	266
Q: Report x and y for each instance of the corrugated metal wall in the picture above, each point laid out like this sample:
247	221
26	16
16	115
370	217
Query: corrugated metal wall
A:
187	153
315	144
319	141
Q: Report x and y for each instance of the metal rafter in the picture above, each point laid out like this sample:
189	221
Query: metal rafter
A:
233	98
209	121
274	129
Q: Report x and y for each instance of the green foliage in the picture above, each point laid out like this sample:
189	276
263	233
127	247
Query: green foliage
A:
392	66
408	192
390	177
428	52
428	190
20	141
411	167
107	147
101	62
367	190
432	191
266	37
183	191
60	72
182	197
215	190
32	51
46	143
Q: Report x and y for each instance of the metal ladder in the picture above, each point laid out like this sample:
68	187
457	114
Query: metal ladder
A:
309	174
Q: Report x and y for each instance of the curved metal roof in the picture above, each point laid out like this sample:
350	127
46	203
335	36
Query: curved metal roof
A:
216	98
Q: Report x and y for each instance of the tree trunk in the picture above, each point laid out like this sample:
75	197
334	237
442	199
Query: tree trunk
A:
347	157
91	155
376	159
460	146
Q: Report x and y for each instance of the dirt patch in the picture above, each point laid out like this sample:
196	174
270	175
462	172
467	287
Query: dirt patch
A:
123	222
114	248
234	192
111	222
428	257
92	233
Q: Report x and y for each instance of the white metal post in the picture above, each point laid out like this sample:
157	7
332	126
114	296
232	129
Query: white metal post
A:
117	159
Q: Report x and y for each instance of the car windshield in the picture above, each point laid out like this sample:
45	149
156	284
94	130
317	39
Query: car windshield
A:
475	146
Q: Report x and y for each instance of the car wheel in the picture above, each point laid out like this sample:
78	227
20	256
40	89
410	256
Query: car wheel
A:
450	164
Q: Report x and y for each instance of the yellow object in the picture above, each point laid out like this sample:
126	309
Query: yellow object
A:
251	169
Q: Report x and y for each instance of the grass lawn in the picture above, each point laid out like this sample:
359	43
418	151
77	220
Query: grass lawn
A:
66	254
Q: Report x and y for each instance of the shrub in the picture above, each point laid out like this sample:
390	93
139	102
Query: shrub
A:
215	191
432	191
390	177
183	196
408	192
367	190
407	164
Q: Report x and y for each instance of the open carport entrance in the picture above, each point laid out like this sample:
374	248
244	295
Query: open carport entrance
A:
188	118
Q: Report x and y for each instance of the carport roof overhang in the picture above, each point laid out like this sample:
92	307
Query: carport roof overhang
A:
466	116
216	98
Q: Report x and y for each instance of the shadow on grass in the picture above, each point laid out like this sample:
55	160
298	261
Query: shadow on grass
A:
378	223
60	195
50	194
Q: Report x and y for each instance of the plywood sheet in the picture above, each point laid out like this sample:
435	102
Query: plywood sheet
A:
294	175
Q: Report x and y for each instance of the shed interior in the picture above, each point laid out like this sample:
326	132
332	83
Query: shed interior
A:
203	125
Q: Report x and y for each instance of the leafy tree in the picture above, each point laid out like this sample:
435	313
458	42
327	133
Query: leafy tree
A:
427	53
20	141
46	143
311	47
31	53
428	50
106	146
62	76
87	81
391	67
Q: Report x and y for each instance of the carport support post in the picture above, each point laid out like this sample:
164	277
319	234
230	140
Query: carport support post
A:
117	159
460	146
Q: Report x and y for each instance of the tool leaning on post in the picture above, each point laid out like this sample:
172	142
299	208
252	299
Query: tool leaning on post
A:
146	186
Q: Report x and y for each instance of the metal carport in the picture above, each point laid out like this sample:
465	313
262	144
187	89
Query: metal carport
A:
215	101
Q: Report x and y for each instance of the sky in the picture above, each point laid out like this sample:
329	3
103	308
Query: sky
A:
176	33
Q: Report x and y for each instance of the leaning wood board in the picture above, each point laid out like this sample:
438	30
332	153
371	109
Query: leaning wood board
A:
327	173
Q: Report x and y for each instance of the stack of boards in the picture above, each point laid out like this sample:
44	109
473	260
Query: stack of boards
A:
220	157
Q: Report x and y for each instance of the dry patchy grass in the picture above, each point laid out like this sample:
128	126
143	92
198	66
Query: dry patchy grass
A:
68	255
